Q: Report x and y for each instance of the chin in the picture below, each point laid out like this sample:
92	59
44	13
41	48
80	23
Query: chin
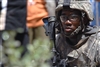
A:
67	34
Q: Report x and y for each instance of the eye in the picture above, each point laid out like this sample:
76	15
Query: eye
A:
74	17
63	18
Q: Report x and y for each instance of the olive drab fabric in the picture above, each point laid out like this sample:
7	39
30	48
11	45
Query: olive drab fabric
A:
35	13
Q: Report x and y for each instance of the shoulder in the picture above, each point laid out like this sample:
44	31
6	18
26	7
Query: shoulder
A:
94	46
97	56
96	34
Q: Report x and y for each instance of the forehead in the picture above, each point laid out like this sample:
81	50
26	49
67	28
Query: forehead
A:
70	11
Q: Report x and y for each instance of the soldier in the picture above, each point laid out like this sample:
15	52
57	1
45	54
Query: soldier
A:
77	43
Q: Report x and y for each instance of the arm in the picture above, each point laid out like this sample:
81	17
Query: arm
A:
51	5
98	50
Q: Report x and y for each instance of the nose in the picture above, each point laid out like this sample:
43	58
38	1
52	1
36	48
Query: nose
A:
68	22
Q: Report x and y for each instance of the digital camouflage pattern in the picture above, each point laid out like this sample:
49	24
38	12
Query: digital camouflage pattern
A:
83	5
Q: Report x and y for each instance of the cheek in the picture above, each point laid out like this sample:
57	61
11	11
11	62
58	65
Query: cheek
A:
63	24
75	25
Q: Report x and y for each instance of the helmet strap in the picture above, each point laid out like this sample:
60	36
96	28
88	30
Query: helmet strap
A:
76	31
82	22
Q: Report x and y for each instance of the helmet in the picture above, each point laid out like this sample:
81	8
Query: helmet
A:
82	5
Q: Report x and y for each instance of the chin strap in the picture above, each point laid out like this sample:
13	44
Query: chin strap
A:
76	31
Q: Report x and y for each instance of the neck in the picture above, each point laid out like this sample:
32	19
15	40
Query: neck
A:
74	40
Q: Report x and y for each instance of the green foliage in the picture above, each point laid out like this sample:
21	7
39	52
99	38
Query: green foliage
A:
37	54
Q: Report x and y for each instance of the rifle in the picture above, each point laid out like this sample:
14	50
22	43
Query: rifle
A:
49	25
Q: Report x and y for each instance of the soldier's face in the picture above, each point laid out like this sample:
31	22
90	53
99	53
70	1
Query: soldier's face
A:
70	20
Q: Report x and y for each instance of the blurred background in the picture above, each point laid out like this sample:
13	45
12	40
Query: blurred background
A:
23	42
96	11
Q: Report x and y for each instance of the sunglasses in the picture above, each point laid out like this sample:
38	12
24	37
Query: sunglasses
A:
72	18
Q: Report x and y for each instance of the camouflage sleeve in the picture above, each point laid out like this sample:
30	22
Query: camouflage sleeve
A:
93	49
98	49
